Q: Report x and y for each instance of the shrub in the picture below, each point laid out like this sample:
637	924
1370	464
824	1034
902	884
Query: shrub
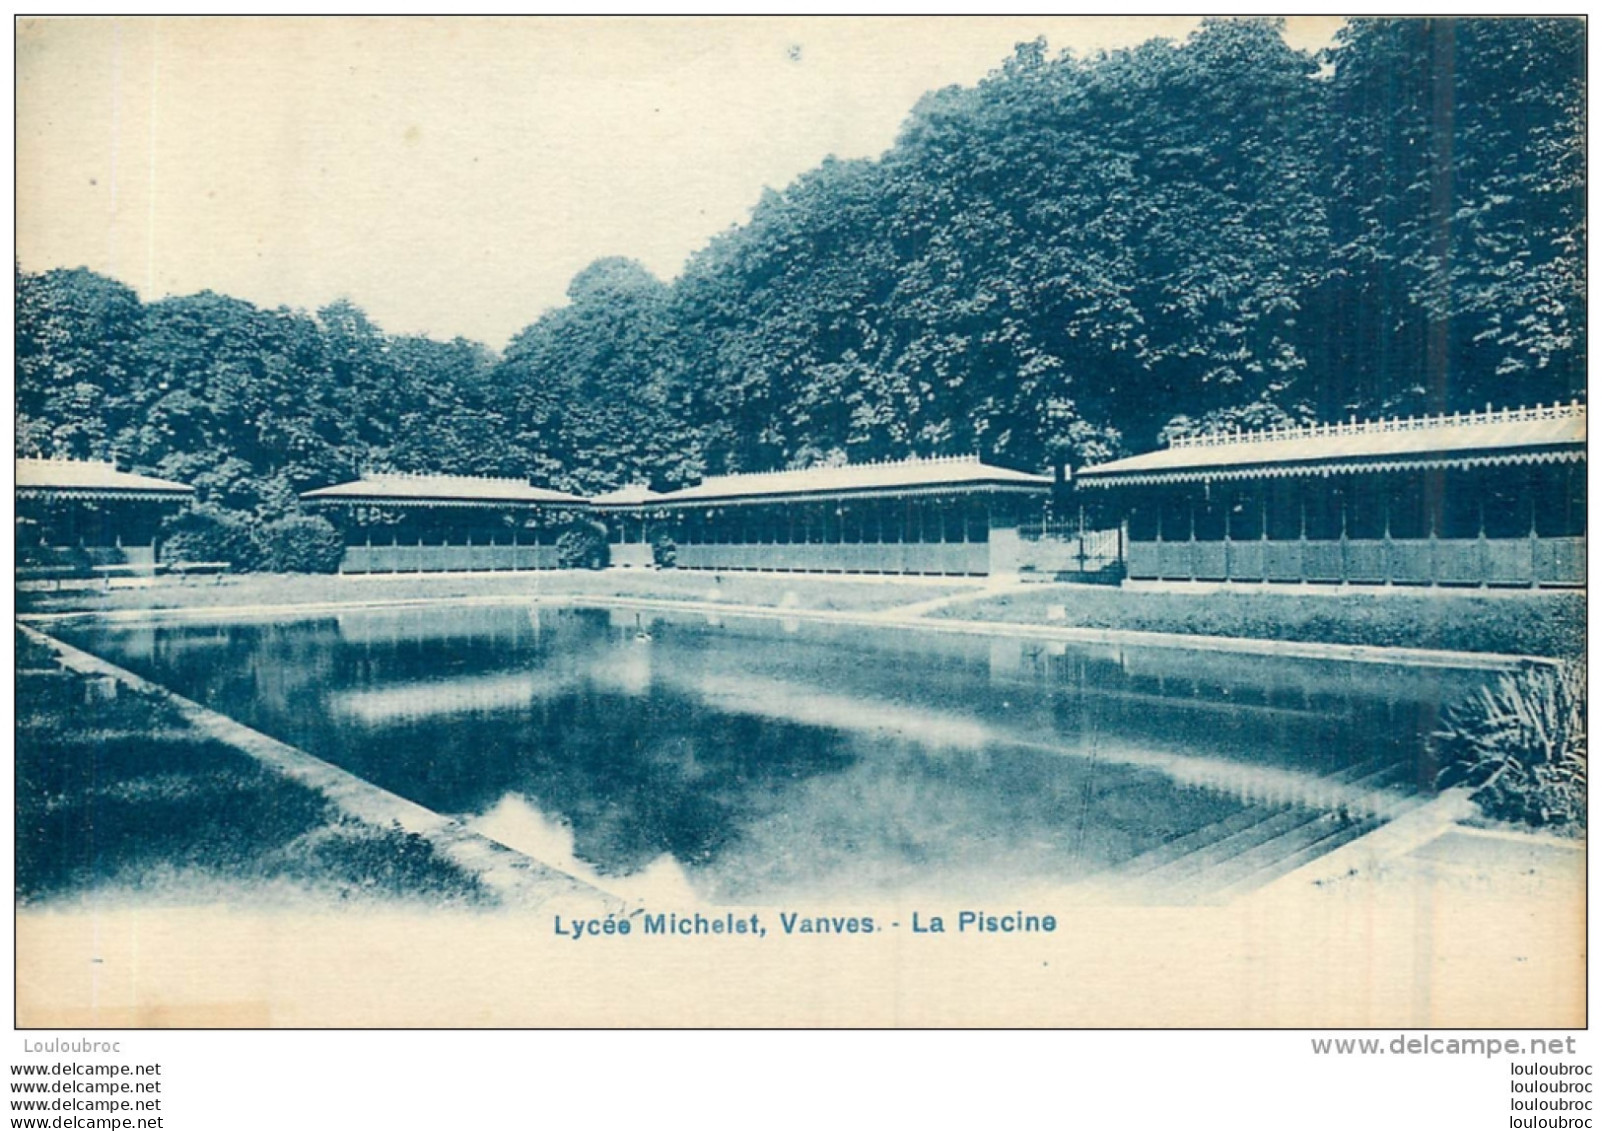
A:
29	541
301	544
206	533
75	558
664	551
1521	746
583	546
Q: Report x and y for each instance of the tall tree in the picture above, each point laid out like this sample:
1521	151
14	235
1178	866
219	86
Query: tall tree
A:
1457	196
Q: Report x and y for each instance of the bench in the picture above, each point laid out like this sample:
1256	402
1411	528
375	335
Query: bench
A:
55	574
186	570
120	570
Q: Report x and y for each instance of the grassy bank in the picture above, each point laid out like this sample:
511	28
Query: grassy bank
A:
1533	624
117	794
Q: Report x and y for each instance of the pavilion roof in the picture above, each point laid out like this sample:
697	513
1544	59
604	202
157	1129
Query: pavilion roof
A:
91	479
632	495
913	476
404	489
1544	434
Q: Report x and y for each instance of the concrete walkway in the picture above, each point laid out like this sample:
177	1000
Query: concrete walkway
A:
924	608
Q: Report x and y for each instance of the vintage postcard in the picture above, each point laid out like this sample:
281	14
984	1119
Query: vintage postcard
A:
800	522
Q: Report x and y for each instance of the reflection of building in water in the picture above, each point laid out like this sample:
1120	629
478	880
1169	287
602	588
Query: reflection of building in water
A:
938	731
396	523
1493	498
1006	655
955	516
89	507
462	695
627	669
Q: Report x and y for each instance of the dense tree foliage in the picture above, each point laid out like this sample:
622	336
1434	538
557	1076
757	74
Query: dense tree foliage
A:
1456	182
1071	259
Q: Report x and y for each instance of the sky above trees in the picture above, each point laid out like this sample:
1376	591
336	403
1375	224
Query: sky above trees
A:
453	177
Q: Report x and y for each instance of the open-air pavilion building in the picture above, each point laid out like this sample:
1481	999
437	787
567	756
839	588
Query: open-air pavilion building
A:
1492	498
88	508
401	523
954	516
632	524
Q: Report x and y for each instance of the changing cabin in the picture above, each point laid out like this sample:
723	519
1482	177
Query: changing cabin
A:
1475	499
953	516
91	513
404	523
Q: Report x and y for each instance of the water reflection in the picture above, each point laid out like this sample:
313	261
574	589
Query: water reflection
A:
515	823
758	761
466	696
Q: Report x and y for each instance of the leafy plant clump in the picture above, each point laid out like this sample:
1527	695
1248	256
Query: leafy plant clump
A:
294	544
206	533
664	551
1520	745
301	544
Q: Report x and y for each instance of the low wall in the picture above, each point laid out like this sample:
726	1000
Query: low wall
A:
632	555
941	558
445	559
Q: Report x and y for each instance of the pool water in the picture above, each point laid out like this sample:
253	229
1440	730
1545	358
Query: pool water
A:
753	760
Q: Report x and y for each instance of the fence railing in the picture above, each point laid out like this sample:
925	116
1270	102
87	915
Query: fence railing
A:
1574	410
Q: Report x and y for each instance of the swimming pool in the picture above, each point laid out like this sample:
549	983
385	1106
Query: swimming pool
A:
754	760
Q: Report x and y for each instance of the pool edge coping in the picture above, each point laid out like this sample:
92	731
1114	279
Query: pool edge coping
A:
1070	634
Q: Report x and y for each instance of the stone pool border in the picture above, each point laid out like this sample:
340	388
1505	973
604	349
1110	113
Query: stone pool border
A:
517	880
1399	843
1390	841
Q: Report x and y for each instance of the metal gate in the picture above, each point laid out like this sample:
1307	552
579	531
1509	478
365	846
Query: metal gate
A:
1065	550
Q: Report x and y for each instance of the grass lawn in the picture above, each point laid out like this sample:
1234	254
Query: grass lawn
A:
1546	623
